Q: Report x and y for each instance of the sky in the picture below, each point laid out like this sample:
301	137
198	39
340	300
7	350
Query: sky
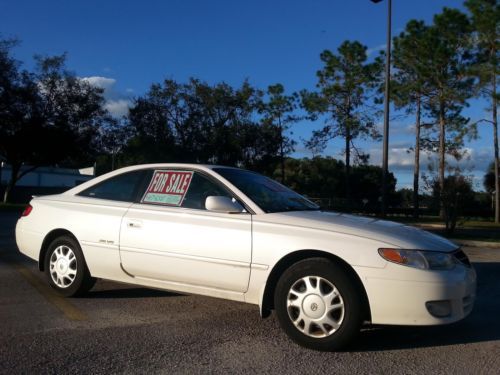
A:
125	46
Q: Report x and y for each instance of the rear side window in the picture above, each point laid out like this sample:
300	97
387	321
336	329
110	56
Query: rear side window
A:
119	188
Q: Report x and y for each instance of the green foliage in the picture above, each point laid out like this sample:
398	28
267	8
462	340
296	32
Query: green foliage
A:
317	177
485	17
455	198
433	64
449	85
489	179
197	122
409	58
409	85
279	112
344	85
47	116
405	197
323	178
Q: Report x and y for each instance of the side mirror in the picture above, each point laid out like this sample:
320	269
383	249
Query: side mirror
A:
223	204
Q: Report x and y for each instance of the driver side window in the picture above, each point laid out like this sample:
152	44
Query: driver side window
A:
200	188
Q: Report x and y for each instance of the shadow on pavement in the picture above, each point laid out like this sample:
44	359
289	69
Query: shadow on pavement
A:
481	325
130	293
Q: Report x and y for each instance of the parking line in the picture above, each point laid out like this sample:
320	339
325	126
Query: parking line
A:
66	307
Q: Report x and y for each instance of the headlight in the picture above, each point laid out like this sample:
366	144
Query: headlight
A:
425	260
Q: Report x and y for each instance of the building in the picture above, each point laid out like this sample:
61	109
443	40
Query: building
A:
43	180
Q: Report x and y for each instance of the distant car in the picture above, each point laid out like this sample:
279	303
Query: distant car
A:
234	234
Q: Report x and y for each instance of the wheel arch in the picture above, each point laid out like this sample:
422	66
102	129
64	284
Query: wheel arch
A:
267	302
51	236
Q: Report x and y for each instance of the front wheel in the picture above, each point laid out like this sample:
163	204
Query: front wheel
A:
65	268
318	304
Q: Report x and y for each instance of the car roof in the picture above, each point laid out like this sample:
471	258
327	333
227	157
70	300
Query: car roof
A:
174	165
201	167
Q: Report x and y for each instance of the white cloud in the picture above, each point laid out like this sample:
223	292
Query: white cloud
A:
397	128
101	82
117	103
118	108
401	159
372	50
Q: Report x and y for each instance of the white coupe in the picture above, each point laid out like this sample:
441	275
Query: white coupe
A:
234	234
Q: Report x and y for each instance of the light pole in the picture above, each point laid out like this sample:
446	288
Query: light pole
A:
387	93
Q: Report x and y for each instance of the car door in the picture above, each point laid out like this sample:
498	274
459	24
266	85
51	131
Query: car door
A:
96	214
169	235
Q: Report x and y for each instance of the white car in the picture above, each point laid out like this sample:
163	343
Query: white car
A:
234	234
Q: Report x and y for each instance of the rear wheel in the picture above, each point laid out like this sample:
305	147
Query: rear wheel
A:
318	304
65	268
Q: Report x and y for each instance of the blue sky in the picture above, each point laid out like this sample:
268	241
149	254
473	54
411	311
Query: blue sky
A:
125	46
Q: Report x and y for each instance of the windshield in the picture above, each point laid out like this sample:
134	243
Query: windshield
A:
268	194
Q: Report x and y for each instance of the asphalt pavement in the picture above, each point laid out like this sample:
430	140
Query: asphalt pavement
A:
120	328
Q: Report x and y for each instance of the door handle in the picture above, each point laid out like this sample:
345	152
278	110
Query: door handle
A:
134	224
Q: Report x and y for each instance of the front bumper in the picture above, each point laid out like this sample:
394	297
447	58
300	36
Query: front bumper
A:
401	295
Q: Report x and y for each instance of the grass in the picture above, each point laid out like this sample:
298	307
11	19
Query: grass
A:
462	236
461	223
472	229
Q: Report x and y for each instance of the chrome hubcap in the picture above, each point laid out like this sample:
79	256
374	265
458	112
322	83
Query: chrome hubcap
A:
63	266
315	306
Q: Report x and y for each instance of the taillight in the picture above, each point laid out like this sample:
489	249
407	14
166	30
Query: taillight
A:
27	210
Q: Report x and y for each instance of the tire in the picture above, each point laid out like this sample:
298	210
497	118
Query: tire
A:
65	268
319	305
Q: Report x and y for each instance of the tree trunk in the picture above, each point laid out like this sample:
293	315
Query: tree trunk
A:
14	171
442	154
348	167
495	142
282	152
416	169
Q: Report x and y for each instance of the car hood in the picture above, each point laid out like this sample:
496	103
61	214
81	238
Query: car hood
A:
389	232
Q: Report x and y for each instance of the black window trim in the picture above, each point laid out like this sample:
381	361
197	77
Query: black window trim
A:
194	170
134	194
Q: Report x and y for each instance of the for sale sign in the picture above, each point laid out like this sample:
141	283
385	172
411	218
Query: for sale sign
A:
168	187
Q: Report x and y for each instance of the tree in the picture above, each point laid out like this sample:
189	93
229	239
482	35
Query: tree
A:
454	198
409	85
489	182
278	112
72	108
224	114
152	120
450	86
344	84
485	17
113	137
48	116
18	111
319	177
323	178
202	123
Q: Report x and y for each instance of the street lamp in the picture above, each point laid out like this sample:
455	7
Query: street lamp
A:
385	153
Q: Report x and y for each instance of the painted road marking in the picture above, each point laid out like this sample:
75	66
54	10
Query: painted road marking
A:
69	310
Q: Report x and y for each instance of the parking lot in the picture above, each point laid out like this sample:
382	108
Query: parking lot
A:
119	328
